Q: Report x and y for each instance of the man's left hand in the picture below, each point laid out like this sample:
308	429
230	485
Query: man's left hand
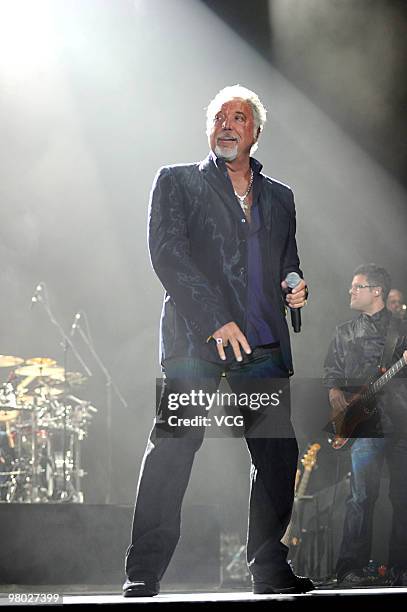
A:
298	296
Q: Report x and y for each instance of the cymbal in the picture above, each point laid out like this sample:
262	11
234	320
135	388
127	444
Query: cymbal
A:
46	390
76	378
41	361
8	361
8	415
41	371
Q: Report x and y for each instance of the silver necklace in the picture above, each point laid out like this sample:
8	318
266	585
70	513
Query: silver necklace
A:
245	207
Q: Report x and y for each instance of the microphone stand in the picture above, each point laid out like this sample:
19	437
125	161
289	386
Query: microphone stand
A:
110	385
66	344
66	341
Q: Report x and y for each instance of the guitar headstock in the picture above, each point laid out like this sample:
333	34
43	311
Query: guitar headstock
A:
310	458
405	357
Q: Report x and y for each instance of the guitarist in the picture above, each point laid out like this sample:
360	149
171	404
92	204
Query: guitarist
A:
355	352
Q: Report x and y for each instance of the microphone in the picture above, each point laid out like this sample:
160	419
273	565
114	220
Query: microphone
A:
37	294
75	323
293	279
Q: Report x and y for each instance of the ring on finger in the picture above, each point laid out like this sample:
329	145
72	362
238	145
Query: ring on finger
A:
219	340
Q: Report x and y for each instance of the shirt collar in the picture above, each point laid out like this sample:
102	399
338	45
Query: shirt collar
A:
377	317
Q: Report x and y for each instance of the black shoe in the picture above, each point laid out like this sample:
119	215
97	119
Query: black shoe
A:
140	588
294	584
357	578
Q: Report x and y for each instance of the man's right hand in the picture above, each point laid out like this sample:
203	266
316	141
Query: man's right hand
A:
231	333
337	400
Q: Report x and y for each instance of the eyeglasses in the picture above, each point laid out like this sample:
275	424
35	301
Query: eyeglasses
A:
357	288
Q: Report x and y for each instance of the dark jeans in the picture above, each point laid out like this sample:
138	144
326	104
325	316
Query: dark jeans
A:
166	469
367	457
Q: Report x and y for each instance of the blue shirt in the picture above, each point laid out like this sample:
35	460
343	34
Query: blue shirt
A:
258	330
258	327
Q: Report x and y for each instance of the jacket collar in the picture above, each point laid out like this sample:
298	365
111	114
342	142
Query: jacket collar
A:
380	315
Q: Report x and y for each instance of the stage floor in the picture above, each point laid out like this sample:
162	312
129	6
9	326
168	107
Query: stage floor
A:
321	598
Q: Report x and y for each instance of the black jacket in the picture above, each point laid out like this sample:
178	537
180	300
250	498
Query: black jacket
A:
198	247
353	358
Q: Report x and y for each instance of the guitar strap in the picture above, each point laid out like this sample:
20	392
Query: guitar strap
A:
390	343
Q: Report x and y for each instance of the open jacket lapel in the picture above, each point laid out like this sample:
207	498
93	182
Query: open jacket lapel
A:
215	179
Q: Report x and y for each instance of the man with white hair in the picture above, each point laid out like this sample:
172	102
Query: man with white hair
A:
222	242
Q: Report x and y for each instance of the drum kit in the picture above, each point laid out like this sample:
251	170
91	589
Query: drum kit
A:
42	425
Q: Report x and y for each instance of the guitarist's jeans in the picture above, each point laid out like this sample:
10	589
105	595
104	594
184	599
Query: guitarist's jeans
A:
367	455
167	466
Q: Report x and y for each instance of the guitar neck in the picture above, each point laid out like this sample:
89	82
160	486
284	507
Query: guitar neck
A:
298	494
385	378
304	482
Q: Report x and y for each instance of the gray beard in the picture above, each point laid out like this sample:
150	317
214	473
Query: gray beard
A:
226	154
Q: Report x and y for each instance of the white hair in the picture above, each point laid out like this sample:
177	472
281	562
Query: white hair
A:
242	93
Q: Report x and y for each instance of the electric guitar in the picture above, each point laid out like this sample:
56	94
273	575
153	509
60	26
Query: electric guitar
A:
309	462
360	407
